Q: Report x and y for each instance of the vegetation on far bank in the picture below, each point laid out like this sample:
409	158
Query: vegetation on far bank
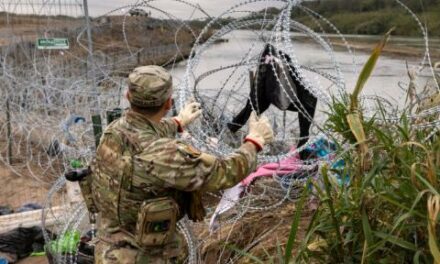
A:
367	17
375	17
375	23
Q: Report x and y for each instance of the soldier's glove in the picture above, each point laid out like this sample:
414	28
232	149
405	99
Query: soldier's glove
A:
260	131
190	112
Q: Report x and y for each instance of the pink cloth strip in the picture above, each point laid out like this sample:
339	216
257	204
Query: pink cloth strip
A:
285	166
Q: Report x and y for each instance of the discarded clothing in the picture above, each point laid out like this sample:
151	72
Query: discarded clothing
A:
5	210
85	253
20	243
320	148
229	199
277	82
289	170
29	207
56	148
69	122
53	149
231	196
285	166
338	171
324	149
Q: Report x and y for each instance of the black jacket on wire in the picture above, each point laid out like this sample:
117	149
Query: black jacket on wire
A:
277	82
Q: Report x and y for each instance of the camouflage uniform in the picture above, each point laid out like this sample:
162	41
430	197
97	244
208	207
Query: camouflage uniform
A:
140	160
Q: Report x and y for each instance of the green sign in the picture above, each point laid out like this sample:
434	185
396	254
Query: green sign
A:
53	43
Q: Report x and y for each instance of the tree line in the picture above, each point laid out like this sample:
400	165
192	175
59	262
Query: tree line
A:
358	6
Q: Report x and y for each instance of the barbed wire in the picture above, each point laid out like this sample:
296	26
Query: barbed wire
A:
49	94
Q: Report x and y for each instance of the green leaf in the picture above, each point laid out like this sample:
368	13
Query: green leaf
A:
335	222
396	241
410	212
427	184
373	173
309	232
399	204
369	66
295	224
417	257
367	228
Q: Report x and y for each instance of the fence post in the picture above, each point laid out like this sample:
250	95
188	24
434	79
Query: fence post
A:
8	131
95	113
97	128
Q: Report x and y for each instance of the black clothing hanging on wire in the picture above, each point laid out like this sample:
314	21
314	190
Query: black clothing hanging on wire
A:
277	82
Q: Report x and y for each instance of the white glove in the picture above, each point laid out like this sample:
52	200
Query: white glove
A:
190	112
260	131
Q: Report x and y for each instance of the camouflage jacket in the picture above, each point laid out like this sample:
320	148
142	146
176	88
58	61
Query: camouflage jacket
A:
138	159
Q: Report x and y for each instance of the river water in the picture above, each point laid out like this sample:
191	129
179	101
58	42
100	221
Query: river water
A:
384	82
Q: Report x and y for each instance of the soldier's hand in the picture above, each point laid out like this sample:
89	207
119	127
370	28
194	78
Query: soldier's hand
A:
260	131
190	112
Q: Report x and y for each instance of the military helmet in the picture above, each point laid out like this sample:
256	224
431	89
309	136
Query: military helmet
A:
149	86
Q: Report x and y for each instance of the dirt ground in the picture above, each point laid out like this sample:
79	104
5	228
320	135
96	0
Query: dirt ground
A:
18	185
257	233
18	188
34	260
29	28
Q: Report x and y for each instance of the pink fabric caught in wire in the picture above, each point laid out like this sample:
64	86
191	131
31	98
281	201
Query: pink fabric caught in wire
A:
232	195
285	166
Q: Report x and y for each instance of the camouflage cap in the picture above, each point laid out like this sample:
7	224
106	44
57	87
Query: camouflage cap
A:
149	86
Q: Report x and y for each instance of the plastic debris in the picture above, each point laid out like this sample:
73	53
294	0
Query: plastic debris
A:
20	243
68	123
66	243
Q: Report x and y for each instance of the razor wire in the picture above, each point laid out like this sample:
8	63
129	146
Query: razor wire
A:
45	89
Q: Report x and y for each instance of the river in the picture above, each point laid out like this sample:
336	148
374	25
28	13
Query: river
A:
384	82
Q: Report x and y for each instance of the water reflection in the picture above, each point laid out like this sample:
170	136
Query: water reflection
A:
384	82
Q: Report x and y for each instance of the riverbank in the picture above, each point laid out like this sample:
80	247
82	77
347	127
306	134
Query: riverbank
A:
120	43
391	50
397	47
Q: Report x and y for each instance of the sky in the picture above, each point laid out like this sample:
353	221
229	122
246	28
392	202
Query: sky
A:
100	7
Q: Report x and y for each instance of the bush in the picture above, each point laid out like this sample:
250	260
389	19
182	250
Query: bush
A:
382	215
388	211
373	17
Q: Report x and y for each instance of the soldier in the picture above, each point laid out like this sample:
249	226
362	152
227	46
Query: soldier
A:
144	179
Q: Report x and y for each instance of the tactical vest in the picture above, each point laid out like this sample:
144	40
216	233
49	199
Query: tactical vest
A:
149	217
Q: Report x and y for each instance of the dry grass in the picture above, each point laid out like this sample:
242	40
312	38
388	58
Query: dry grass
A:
262	234
19	186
